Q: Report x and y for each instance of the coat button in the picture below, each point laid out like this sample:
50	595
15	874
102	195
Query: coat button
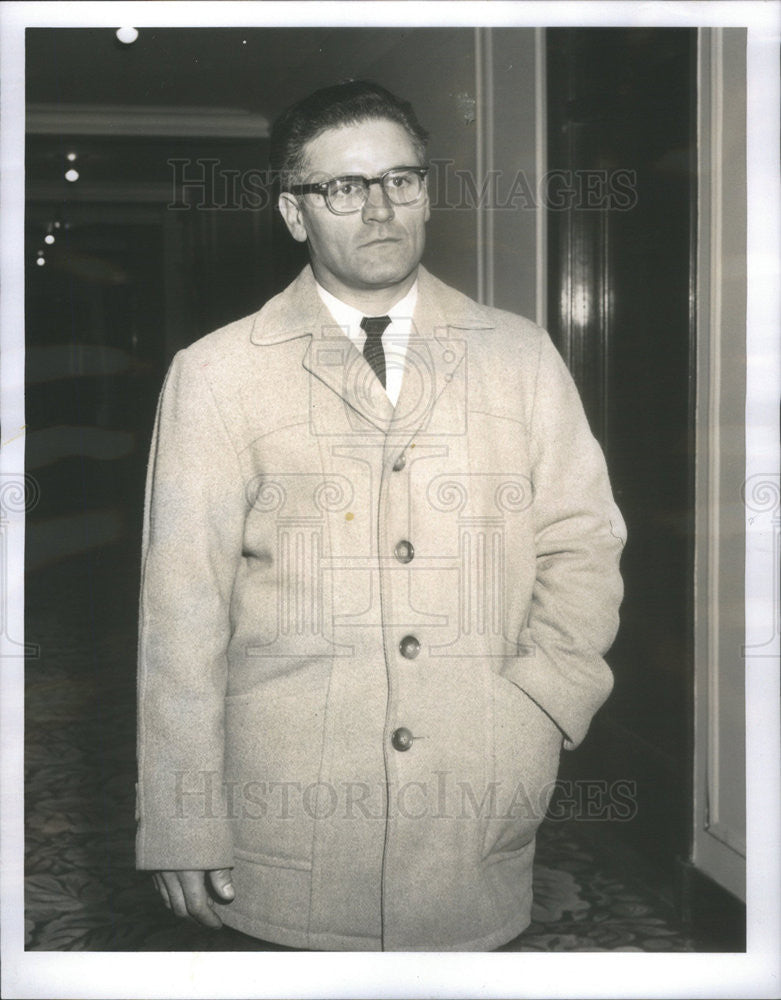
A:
401	739
404	551
400	462
409	647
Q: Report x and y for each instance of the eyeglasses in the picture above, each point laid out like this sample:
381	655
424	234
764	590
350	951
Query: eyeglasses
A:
345	195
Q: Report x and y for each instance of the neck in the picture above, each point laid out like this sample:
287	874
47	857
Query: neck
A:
370	301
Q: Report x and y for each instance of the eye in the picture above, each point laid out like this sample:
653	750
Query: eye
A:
344	188
400	180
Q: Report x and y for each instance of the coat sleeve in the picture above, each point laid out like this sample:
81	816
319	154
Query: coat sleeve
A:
193	525
579	536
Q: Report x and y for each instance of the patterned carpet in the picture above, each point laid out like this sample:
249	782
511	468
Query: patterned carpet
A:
82	891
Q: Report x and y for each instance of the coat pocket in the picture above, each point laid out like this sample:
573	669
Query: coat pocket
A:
272	761
524	749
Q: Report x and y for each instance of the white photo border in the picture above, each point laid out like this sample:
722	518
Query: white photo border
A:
213	975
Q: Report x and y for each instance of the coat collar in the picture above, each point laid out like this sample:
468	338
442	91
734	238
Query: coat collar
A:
435	352
298	311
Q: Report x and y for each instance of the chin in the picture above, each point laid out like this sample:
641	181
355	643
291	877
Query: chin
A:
386	276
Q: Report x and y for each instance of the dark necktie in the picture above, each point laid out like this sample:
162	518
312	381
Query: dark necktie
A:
374	327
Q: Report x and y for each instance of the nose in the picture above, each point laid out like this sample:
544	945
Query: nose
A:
377	207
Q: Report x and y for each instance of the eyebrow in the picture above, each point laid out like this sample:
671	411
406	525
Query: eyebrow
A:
315	186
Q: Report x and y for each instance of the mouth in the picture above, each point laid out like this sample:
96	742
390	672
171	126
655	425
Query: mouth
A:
381	241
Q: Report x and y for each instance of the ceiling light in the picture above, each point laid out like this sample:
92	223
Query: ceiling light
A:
70	157
127	35
49	238
71	175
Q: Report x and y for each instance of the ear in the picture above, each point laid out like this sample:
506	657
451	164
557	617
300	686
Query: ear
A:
428	202
290	211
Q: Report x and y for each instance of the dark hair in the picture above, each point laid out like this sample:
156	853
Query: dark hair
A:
348	103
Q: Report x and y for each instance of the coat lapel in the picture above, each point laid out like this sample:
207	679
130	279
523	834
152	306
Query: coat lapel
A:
433	391
334	360
299	311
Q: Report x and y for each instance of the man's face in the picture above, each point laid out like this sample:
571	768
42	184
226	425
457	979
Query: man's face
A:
378	247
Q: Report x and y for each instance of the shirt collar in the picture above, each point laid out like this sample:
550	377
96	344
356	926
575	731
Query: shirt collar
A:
350	318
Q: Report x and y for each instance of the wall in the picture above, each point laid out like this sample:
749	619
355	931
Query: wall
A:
513	73
475	90
720	761
435	70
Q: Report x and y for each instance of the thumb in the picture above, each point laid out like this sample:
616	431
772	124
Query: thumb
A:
220	879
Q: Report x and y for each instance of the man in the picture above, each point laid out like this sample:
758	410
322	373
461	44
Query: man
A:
380	572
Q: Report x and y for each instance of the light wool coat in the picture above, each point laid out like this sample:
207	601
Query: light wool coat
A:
368	732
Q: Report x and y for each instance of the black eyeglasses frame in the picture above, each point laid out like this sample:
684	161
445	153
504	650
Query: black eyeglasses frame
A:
321	187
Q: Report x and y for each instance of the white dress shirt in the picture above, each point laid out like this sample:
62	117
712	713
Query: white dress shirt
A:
394	339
